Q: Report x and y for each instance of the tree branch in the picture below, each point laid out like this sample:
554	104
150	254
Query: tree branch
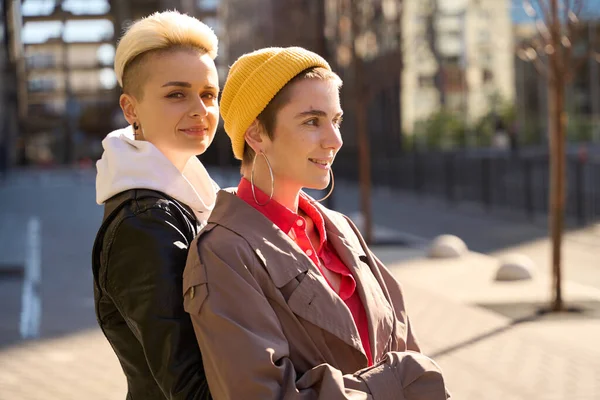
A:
573	34
541	67
578	6
545	10
541	22
566	10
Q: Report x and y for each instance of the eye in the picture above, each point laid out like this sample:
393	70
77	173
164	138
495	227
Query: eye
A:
175	95
338	122
312	122
209	96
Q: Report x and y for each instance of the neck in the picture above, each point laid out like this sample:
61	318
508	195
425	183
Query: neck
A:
178	160
285	193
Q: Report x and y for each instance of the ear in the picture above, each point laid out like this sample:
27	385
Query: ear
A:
254	137
128	104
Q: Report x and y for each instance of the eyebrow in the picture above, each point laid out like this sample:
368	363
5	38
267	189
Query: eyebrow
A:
315	113
178	83
188	85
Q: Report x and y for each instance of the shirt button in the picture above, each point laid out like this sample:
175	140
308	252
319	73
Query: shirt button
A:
299	222
309	252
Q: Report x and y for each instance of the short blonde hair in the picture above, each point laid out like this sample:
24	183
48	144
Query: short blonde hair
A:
162	31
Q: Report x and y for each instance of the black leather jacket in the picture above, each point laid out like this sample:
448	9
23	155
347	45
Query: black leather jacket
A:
138	261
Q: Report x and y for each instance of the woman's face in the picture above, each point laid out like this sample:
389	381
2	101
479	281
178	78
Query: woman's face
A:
178	109
306	136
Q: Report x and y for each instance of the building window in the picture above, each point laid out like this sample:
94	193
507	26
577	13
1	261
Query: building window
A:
41	85
41	61
208	4
488	75
452	60
426	81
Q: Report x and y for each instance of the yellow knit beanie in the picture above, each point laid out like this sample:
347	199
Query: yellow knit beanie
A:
253	80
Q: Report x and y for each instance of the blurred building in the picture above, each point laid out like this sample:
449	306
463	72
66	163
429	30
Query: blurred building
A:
462	48
9	143
67	91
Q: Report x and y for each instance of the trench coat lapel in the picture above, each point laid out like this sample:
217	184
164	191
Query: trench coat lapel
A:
312	300
378	309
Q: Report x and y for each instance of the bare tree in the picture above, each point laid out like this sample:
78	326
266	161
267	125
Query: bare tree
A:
432	38
558	26
373	63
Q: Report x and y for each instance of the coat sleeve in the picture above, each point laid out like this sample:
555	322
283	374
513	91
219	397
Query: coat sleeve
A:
244	348
144	277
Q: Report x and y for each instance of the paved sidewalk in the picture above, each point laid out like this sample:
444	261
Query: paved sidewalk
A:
478	330
488	337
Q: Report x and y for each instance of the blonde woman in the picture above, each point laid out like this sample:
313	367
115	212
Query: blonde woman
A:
287	300
156	196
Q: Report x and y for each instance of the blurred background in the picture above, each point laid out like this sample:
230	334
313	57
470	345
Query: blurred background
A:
446	131
449	88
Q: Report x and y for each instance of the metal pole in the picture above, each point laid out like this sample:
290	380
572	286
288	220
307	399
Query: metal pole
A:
523	101
31	310
360	112
67	123
594	82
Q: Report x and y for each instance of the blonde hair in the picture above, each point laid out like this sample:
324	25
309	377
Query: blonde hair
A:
167	30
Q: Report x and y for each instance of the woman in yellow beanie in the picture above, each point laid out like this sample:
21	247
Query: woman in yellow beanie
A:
286	299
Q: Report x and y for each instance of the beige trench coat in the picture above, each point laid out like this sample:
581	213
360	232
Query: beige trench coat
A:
270	327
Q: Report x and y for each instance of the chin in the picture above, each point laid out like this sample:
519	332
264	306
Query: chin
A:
199	150
201	146
320	184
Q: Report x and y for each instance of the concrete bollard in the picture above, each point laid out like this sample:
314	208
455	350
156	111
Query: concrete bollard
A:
515	267
447	246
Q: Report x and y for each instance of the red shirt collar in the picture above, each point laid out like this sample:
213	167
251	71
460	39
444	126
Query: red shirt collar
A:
281	216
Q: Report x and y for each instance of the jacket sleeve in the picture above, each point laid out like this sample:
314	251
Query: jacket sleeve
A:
144	277
245	350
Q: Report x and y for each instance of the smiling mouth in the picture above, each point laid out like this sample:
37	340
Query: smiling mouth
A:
323	163
195	131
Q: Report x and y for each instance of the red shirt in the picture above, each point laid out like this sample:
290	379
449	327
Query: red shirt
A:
323	256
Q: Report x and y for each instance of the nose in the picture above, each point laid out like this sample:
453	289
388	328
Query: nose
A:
332	139
199	109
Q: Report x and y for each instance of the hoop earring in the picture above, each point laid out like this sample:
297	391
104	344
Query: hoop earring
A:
332	186
252	178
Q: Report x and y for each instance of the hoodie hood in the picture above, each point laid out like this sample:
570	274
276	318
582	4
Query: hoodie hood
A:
133	164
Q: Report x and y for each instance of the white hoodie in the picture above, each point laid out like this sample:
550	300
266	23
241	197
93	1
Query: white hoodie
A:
133	164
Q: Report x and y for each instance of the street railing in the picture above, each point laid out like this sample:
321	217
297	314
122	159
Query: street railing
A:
490	178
